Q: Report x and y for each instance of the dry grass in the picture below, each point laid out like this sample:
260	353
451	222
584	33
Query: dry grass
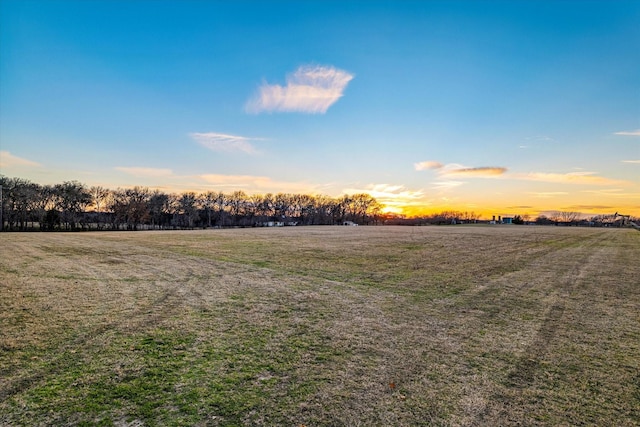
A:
321	326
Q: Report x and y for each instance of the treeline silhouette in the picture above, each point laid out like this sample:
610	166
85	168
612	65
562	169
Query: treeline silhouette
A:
73	206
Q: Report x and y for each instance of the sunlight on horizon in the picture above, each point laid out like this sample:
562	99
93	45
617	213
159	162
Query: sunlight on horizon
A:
500	108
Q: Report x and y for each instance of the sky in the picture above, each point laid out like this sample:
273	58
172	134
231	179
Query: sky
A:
497	107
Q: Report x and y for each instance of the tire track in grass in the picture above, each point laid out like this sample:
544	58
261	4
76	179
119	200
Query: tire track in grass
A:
472	358
565	268
528	365
175	284
494	334
88	268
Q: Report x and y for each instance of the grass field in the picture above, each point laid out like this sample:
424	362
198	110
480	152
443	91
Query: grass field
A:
316	326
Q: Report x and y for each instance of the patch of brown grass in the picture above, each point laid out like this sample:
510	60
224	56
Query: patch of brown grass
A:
321	326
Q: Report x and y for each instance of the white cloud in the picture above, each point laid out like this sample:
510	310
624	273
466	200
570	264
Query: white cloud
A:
629	133
631	161
146	172
429	164
446	185
310	89
8	160
223	142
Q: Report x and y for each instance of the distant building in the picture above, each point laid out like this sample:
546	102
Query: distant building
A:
273	224
501	220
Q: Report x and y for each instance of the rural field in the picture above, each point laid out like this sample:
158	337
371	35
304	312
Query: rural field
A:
321	326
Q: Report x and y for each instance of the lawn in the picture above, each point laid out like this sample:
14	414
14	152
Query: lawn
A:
315	326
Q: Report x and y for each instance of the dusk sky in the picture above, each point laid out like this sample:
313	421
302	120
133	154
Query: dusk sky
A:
498	107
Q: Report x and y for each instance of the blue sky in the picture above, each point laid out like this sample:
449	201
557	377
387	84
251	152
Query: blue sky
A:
498	107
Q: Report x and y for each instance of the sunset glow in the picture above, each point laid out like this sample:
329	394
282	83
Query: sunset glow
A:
498	108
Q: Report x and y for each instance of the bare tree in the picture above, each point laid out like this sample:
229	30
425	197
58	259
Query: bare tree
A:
188	209
569	217
44	203
362	208
207	201
236	203
469	216
281	205
72	198
99	195
131	206
263	206
25	204
220	206
554	216
159	208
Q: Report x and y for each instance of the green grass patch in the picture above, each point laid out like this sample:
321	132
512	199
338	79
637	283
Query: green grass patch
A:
321	326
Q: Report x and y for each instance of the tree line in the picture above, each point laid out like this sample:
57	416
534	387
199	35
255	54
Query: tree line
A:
445	217
557	218
73	205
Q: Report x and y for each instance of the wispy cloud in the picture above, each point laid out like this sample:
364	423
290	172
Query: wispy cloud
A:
485	171
8	160
146	172
254	183
448	175
618	193
237	180
429	164
387	191
588	178
310	89
629	133
446	185
224	142
548	194
605	191
457	170
588	208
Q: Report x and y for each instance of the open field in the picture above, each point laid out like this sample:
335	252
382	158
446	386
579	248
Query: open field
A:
313	326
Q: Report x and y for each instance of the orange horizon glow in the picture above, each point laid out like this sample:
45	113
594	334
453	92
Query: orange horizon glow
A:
489	213
396	199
